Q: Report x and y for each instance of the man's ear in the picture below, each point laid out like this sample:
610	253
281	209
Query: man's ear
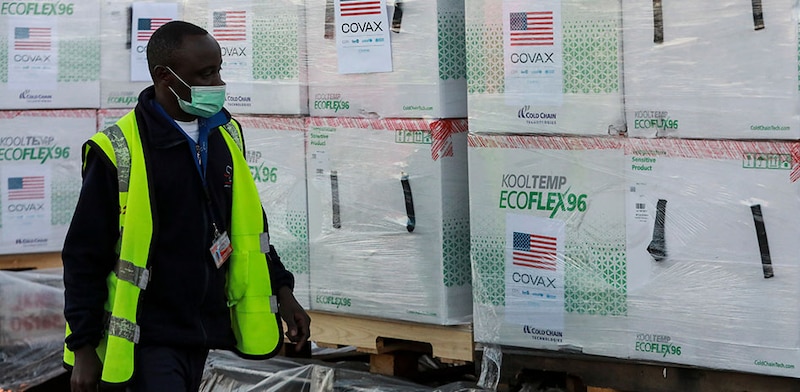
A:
161	75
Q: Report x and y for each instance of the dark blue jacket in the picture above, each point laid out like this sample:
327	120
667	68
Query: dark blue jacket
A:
184	303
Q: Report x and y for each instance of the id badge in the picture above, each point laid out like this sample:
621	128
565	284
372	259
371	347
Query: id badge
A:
221	249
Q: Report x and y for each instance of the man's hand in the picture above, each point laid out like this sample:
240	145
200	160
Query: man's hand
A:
87	370
297	321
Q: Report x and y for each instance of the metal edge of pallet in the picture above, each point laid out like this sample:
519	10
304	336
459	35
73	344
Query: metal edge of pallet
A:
451	342
636	375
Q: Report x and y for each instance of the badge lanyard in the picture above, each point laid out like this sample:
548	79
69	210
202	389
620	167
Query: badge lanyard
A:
221	247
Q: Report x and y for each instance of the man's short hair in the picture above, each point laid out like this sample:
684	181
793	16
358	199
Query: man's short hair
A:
166	40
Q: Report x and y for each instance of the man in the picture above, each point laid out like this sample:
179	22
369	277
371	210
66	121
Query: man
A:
168	252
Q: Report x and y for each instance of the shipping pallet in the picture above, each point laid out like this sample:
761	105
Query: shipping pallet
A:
394	346
588	373
21	262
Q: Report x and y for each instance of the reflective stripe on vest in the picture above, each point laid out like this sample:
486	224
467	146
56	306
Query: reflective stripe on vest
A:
253	308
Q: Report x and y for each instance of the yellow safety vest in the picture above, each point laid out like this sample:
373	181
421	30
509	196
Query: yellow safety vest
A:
253	308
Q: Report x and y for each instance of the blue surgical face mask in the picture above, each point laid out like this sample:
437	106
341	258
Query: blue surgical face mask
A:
206	100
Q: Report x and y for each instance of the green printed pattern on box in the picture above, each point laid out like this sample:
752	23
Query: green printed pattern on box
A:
591	58
455	252
488	263
275	52
64	194
595	278
452	46
293	252
78	60
485	59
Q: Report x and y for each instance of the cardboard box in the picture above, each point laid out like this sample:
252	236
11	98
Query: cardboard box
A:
40	176
548	242
276	155
389	218
263	52
427	77
708	70
50	55
117	88
568	80
707	285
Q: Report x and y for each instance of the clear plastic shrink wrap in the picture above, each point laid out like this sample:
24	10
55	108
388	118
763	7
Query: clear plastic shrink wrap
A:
671	250
389	218
276	156
405	60
123	45
711	70
545	67
31	327
263	52
49	54
227	373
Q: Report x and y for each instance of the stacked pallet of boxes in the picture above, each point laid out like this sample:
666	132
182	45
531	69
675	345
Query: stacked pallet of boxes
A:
49	90
386	161
673	244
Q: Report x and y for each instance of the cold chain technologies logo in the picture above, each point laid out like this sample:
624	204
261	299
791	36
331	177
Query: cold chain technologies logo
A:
656	344
31	242
539	192
27	96
543	334
537	118
330	101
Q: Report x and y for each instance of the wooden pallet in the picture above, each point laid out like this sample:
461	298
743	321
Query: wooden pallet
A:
30	261
392	344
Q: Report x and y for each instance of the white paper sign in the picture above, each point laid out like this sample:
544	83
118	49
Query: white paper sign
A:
532	44
32	53
146	19
232	28
362	36
535	275
26	193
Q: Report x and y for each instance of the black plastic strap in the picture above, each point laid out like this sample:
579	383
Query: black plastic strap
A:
330	20
758	15
658	245
658	22
763	244
397	18
412	220
337	222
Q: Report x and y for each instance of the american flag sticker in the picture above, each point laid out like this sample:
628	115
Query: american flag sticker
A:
359	7
230	25
32	38
145	27
531	28
535	251
26	188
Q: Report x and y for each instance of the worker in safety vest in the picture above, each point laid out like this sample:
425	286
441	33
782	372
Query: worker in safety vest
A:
168	253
